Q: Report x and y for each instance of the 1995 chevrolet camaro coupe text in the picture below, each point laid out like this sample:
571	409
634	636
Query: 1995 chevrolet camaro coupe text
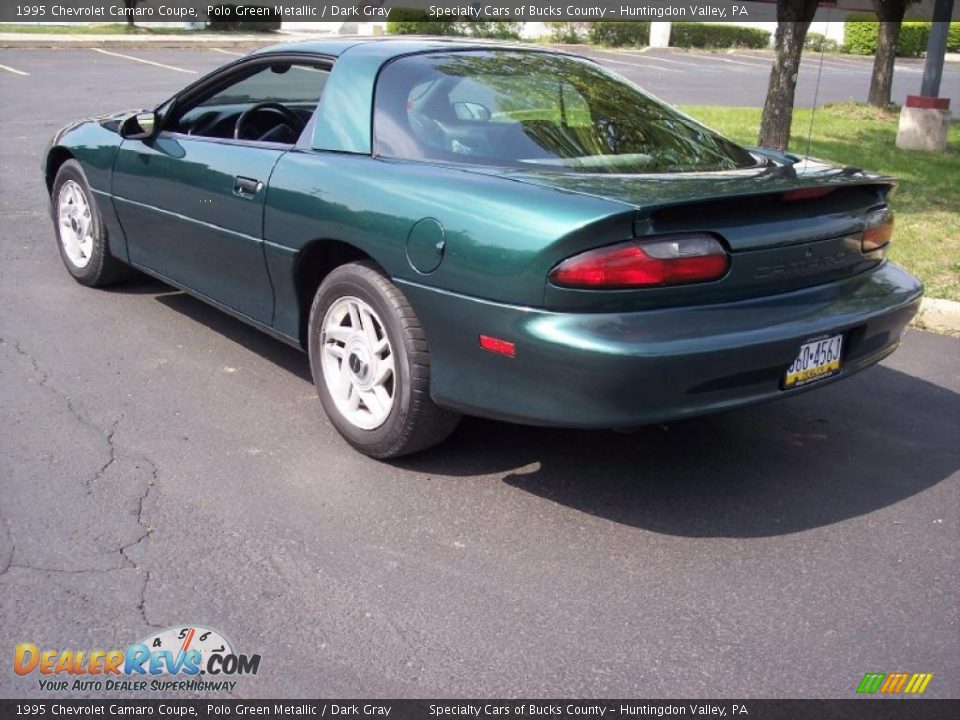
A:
452	227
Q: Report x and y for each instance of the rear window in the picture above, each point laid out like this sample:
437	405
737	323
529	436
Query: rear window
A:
538	111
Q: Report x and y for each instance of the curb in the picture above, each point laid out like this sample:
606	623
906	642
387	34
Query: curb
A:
941	316
36	41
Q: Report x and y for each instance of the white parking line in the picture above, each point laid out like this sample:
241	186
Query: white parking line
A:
762	65
227	52
652	58
644	65
13	70
810	62
145	62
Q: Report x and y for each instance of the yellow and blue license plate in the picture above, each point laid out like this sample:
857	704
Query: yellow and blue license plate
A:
817	360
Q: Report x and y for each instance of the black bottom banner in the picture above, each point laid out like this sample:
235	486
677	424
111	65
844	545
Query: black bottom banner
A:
854	709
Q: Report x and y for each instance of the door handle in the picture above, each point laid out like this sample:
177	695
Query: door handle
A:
246	187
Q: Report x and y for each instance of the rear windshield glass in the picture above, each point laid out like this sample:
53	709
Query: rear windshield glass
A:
538	111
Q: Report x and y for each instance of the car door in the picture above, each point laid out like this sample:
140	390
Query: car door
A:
191	198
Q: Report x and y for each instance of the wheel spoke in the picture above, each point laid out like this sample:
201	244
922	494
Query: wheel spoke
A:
338	333
382	345
345	383
353	398
369	326
373	403
383	397
355	323
384	371
334	350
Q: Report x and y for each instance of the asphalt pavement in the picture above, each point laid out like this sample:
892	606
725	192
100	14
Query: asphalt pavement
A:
162	464
735	78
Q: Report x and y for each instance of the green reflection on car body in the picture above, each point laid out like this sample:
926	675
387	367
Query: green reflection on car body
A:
171	206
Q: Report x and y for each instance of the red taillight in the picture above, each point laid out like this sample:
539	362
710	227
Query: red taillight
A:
879	230
672	260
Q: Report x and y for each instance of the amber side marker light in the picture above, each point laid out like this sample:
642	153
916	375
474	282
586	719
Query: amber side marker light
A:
879	230
671	260
496	345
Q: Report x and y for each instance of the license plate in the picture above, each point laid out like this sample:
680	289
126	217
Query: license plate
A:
817	360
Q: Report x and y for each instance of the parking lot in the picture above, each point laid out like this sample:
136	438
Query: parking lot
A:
163	464
736	78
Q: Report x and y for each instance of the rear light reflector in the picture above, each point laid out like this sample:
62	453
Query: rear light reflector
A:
672	260
496	345
879	230
806	193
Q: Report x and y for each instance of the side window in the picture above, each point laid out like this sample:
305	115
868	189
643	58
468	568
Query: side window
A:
271	103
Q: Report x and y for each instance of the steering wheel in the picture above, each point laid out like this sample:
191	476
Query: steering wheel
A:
289	116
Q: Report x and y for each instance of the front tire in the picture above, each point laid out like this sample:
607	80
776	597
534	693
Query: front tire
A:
81	237
371	365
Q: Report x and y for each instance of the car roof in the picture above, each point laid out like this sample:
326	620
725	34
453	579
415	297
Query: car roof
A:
389	47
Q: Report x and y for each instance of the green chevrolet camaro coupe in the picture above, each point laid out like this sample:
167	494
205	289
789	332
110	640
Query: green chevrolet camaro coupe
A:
510	232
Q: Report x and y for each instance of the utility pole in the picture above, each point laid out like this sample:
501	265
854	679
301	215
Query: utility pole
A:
936	48
925	118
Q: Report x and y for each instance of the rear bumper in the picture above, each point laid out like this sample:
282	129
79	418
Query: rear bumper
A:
626	369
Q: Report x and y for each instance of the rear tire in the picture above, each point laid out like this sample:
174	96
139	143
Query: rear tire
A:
371	365
81	237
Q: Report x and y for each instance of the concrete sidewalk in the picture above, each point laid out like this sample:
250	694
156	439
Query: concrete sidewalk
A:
197	40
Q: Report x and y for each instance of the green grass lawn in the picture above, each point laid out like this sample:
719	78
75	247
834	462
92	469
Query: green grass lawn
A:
927	203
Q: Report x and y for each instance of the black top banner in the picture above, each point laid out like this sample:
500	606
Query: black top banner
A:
287	11
888	709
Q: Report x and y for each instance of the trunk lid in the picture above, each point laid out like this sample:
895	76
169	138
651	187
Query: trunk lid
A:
748	208
779	239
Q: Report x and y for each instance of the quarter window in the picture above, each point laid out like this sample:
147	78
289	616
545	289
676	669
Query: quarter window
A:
538	111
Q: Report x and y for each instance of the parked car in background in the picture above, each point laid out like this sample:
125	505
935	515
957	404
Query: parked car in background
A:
461	227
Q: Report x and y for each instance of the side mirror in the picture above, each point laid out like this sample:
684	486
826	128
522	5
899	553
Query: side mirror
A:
141	126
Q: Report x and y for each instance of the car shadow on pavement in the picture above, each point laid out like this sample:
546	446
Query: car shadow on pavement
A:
811	460
279	353
140	284
808	461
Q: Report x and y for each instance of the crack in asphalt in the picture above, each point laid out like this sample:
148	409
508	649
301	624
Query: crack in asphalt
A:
111	459
68	401
13	548
44	383
147	531
112	456
64	571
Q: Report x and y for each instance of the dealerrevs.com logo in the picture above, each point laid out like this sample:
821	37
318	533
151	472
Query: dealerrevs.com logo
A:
189	658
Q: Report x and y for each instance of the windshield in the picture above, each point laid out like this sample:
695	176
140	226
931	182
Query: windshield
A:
539	111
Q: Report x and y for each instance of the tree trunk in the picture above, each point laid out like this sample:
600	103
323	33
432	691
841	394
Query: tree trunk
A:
890	14
130	5
778	108
883	64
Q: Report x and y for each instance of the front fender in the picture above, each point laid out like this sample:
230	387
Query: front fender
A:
93	143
